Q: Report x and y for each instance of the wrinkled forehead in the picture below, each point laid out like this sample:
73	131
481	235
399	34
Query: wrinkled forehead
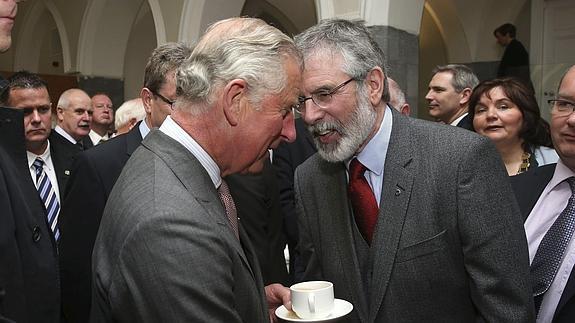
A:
323	61
80	100
101	98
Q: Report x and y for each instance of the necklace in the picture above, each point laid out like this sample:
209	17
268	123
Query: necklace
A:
525	163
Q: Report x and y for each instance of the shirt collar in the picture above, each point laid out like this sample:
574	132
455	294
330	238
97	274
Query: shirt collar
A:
562	172
144	130
174	131
373	154
64	134
456	121
95	137
45	156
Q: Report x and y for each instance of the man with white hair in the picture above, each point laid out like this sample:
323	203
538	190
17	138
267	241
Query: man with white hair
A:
397	98
128	115
170	246
74	115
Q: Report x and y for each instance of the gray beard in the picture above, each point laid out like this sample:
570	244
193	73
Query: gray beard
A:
353	134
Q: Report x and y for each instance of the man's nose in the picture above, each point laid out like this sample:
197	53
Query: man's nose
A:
288	129
312	112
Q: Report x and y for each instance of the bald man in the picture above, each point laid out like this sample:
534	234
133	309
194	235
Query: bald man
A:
74	112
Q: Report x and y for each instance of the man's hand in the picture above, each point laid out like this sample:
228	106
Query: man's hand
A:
277	295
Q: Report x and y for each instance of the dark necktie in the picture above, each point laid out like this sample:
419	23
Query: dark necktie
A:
549	255
362	199
230	206
48	196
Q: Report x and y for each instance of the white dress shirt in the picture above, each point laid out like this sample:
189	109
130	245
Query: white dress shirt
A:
48	168
373	155
551	203
144	130
174	131
96	138
456	121
64	134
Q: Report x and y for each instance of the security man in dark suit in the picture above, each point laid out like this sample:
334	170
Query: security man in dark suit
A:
28	92
29	290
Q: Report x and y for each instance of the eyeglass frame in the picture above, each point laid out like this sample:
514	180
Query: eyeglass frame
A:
300	107
163	98
553	102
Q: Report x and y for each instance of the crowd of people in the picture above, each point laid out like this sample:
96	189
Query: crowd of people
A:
183	213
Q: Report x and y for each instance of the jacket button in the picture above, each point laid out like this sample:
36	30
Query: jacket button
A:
36	234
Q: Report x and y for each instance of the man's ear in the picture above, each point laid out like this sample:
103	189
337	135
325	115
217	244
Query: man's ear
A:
233	93
60	113
465	96
146	96
375	85
132	122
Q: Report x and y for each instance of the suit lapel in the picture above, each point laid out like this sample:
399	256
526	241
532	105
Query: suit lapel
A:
196	181
62	173
529	186
395	195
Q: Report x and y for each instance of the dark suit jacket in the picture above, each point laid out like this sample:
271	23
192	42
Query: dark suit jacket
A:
257	201
93	175
87	143
466	123
515	62
528	187
165	251
29	285
63	154
286	158
449	244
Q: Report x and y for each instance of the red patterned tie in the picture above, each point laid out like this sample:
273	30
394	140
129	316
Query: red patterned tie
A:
362	199
230	206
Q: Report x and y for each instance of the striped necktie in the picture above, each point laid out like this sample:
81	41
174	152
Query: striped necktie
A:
48	196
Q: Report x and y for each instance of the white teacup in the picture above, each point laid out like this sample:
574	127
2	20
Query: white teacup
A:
312	299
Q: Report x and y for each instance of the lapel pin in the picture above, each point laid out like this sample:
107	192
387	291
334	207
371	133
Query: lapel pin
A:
67	172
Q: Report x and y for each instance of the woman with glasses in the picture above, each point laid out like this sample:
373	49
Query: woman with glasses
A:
506	111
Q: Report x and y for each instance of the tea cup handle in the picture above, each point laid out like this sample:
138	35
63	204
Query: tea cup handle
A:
311	302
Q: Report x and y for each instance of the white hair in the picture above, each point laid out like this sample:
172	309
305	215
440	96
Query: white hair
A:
235	48
130	109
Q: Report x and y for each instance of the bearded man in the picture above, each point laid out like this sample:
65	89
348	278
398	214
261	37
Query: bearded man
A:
412	221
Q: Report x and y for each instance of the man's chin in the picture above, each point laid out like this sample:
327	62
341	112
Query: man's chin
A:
82	132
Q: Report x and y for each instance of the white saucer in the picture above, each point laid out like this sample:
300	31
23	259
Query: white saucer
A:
340	309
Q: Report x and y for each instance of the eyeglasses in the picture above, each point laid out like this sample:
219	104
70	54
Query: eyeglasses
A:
321	98
163	98
561	108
